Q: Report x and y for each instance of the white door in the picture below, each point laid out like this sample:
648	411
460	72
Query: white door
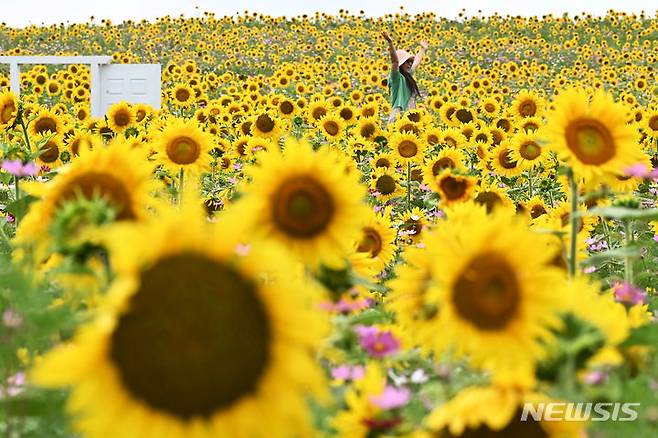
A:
134	83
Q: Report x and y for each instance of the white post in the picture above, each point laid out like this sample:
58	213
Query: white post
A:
95	90
15	78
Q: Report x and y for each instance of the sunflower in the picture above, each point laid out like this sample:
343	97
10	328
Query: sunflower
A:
357	146
493	198
120	116
382	159
527	104
375	249
526	149
407	147
142	112
183	145
386	183
305	200
81	140
503	162
287	108
317	110
368	128
592	136
650	124
453	137
495	412
8	108
50	149
347	113
265	125
195	337
413	226
453	187
448	158
331	126
490	107
497	300
117	173
182	96
46	121
535	207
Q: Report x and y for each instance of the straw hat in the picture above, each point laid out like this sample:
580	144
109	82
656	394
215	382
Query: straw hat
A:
403	56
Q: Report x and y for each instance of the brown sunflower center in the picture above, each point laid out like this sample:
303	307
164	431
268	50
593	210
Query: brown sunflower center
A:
195	339
537	210
383	162
506	160
514	429
50	152
407	149
182	95
100	184
318	112
346	114
183	150
302	207
453	188
367	130
530	150
528	108
287	107
385	184
489	107
590	140
371	242
122	118
45	124
488	199
331	127
264	123
504	124
464	115
653	123
7	112
442	163
139	115
487	293
450	142
432	139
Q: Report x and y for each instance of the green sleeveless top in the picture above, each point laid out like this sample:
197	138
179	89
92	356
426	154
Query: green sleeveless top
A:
400	93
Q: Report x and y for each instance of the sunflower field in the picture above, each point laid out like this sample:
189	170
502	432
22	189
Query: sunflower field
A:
268	256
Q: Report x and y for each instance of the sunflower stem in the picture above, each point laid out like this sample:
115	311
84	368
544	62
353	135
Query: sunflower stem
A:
530	183
181	181
628	265
408	186
574	222
17	192
27	137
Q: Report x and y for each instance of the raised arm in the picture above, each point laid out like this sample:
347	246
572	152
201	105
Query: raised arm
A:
419	57
391	51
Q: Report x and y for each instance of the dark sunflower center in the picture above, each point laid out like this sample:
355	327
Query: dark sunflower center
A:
331	128
505	160
122	118
514	429
590	140
318	112
183	150
442	163
367	130
407	149
486	292
139	115
264	123
414	117
653	123
195	338
45	124
182	95
450	142
7	112
529	150
286	107
101	184
302	207
385	184
488	199
432	139
504	124
463	115
50	152
346	114
528	108
453	188
489	107
536	211
371	242
383	162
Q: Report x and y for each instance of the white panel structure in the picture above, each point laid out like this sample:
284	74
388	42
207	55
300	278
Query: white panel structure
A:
134	83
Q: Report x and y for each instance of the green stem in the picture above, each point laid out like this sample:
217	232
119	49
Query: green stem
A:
573	187
530	183
408	186
181	178
27	137
628	264
17	192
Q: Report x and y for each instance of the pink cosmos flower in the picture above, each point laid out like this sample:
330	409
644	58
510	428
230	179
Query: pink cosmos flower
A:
17	168
391	397
377	343
628	294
